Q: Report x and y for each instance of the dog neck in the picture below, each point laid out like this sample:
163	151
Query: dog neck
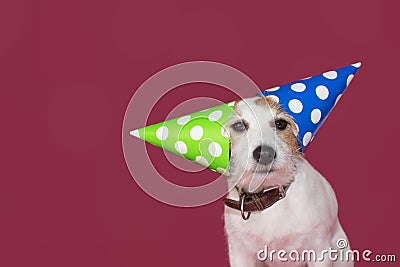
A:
260	201
249	202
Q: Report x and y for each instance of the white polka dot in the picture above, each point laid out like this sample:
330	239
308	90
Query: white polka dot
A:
224	132
196	132
135	133
338	98
162	133
183	120
215	149
222	171
306	78
315	116
357	65
330	75
295	106
215	115
273	89
202	161
274	98
349	79
322	92
231	104
298	87
181	147
307	138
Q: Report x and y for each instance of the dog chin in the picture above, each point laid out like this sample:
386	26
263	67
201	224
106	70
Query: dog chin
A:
256	181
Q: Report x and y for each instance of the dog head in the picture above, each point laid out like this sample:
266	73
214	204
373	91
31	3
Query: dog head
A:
263	146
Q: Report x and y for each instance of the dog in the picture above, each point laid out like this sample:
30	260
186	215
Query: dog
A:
277	198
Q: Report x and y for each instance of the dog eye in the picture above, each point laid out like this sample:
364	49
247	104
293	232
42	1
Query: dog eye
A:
281	124
239	126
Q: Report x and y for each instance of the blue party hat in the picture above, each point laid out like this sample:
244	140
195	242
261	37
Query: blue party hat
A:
309	101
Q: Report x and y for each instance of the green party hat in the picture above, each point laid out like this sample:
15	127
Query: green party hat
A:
199	137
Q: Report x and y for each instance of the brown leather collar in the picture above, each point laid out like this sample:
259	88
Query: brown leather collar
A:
257	202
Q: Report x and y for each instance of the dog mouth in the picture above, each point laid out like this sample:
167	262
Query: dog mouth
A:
259	168
265	171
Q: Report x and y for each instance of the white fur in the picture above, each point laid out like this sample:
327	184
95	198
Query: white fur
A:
305	219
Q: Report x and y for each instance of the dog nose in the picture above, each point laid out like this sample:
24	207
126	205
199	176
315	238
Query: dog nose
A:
264	154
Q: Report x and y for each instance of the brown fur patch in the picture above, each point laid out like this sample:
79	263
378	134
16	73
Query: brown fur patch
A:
289	135
268	102
235	105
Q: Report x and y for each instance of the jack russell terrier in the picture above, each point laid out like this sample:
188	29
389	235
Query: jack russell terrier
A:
278	199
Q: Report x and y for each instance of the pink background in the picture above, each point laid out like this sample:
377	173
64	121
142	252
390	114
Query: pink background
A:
68	70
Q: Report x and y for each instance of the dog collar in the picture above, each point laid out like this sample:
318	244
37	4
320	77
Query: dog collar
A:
257	201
